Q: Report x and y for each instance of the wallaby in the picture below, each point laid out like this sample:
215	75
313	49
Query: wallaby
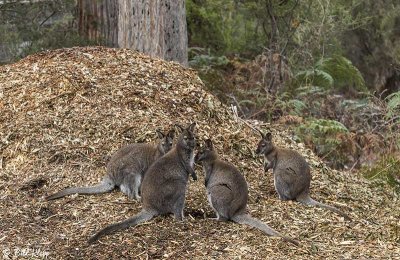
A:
227	191
291	171
164	185
126	168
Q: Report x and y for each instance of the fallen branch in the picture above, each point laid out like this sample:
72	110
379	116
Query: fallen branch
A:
237	118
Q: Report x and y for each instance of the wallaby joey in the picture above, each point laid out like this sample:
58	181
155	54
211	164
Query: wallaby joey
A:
126	168
227	191
164	185
291	173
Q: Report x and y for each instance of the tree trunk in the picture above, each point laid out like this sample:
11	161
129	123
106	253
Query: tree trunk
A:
155	27
98	20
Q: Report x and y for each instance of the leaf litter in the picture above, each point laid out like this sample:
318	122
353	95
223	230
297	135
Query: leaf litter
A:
64	112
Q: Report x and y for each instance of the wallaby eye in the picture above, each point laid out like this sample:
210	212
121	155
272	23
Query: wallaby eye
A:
263	144
185	137
163	143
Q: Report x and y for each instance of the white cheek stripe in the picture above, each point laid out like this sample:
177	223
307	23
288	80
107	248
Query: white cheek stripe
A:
266	160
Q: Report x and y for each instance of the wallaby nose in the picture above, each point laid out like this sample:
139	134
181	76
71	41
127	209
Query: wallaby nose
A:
258	151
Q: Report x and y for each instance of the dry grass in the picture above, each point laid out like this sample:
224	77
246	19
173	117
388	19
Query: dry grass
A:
64	112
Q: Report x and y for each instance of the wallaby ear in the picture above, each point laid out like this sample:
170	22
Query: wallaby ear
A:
160	134
180	127
192	126
209	144
268	137
171	133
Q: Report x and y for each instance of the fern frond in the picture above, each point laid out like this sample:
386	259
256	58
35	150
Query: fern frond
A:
298	106
343	72
393	104
315	77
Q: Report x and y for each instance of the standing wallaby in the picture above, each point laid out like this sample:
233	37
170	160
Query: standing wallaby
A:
292	176
227	191
164	185
126	168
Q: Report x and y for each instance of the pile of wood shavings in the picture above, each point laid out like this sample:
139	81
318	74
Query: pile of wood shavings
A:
64	112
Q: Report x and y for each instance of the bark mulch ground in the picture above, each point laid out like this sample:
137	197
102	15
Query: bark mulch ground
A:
64	112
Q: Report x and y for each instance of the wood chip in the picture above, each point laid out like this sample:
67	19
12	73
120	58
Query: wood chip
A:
64	112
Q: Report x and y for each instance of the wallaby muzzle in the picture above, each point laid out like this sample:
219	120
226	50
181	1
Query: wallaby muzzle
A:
198	157
258	151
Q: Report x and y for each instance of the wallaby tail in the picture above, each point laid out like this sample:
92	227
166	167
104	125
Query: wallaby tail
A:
307	200
143	216
253	222
103	187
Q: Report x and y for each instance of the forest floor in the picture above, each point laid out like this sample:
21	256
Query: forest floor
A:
64	112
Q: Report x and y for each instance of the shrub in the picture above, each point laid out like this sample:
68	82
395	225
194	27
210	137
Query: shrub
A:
336	72
386	170
329	138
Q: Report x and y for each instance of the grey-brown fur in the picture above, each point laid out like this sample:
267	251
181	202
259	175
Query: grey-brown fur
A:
164	185
227	191
291	171
126	168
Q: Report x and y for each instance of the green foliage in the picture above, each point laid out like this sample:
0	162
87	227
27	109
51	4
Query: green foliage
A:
344	73
324	135
314	77
223	26
303	32
290	105
387	170
393	105
374	47
335	72
321	128
205	61
321	28
29	27
297	106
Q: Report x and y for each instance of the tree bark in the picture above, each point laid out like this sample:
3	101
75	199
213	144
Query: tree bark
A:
98	20
155	27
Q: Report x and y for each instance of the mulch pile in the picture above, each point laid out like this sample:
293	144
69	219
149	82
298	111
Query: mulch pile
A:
64	112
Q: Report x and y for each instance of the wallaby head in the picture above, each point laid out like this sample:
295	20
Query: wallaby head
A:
186	139
166	141
207	153
265	145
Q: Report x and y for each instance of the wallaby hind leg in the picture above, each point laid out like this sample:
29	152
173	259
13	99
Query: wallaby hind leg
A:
130	186
178	208
220	198
219	217
138	182
282	197
126	189
282	188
